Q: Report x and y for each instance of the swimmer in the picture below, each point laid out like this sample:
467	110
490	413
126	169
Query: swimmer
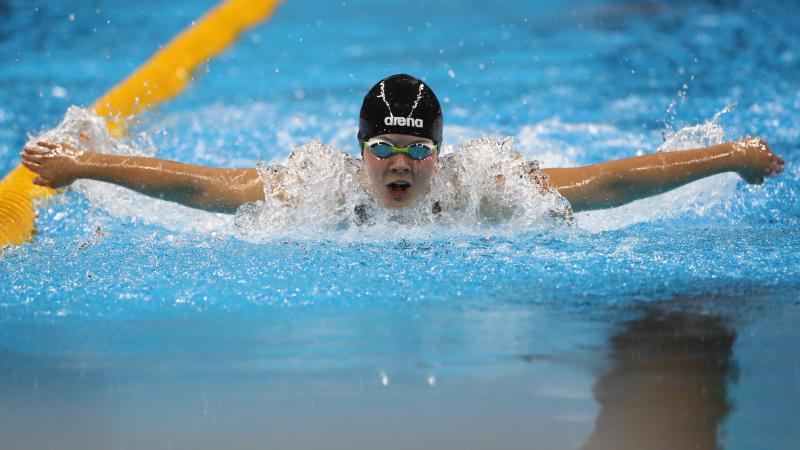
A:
400	138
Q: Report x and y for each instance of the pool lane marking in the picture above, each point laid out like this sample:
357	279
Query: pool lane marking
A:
168	72
159	79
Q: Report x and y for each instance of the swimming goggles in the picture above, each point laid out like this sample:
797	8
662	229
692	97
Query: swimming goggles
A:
383	149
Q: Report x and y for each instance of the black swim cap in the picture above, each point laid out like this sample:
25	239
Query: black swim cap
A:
400	104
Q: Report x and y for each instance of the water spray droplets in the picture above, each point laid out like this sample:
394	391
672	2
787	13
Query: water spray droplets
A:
486	187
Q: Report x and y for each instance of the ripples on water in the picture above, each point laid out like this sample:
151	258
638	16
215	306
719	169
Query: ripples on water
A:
129	314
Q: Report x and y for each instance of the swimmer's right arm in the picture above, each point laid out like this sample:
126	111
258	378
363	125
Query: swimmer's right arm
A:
211	189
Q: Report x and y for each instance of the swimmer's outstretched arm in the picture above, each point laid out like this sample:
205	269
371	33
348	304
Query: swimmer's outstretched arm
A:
615	183
211	189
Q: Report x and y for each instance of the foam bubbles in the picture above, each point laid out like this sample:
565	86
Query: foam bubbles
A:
704	135
314	193
85	130
486	187
700	197
488	182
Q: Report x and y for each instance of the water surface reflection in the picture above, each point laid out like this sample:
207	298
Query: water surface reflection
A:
661	376
667	384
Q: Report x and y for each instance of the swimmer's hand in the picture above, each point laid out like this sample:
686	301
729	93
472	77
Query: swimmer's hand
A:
57	165
755	160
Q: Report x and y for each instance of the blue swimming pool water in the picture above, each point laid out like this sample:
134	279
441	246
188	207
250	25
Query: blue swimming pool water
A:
135	324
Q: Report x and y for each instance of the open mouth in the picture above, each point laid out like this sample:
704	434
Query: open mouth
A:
398	188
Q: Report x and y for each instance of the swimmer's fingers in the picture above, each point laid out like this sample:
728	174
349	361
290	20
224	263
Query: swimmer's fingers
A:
775	168
37	158
43	182
32	166
36	151
47	145
776	158
776	162
62	148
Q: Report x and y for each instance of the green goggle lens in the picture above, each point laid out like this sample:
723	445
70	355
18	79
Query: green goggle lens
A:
414	151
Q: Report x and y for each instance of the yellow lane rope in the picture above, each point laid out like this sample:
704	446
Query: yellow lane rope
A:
160	78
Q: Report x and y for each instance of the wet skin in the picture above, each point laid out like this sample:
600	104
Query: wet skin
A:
399	180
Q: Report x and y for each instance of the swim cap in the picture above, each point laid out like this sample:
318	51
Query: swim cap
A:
400	104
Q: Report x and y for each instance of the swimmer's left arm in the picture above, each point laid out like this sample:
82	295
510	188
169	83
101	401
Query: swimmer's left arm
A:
615	183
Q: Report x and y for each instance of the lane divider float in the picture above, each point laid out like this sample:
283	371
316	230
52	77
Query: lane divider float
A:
160	78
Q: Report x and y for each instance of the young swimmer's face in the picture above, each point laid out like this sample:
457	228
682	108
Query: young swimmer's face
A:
399	180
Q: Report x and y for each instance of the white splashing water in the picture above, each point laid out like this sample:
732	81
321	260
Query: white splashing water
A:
552	142
485	187
698	197
84	129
